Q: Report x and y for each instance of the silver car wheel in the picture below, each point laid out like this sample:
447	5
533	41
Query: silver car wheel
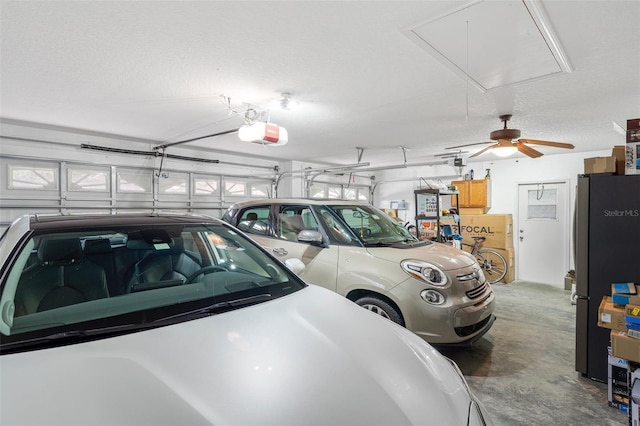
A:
377	310
381	307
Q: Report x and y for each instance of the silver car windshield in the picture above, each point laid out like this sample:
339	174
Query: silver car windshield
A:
372	226
134	275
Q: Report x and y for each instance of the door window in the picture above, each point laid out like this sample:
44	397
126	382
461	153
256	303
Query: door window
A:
293	219
255	220
542	203
337	231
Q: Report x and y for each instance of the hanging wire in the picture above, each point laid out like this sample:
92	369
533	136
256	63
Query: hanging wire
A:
539	193
159	174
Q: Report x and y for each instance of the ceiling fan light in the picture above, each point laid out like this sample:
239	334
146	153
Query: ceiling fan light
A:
504	151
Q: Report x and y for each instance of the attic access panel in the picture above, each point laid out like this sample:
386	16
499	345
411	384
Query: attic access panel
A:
494	44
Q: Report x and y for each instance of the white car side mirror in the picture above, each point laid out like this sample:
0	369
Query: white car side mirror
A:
295	265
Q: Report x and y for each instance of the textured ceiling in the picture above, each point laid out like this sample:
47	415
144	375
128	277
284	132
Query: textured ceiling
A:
161	70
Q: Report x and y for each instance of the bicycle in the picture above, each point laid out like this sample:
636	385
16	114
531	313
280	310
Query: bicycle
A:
493	264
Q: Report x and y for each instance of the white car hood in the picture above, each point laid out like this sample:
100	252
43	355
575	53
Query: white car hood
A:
312	357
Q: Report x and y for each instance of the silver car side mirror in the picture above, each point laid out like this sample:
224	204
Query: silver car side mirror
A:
310	236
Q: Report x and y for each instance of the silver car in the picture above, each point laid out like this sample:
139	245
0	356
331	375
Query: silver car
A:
435	290
172	319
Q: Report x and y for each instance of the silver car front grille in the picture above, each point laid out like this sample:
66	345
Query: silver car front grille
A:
477	291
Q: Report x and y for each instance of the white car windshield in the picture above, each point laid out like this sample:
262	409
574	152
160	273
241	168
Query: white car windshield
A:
80	281
372	226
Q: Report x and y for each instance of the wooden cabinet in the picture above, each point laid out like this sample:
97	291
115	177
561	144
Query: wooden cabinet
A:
474	193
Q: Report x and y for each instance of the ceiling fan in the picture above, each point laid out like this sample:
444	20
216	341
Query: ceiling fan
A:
506	145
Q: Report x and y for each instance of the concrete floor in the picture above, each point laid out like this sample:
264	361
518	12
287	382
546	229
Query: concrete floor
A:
523	371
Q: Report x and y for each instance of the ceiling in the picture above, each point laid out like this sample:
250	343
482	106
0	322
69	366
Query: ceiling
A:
379	75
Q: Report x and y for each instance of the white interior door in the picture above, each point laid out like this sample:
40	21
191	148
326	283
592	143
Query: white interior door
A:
542	233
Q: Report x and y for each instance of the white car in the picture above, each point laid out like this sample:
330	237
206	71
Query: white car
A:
175	319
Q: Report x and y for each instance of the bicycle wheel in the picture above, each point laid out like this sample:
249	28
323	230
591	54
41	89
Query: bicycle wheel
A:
493	265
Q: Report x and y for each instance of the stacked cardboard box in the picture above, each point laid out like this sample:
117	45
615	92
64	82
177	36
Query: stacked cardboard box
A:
623	160
621	314
634	393
596	165
498	232
618	383
632	152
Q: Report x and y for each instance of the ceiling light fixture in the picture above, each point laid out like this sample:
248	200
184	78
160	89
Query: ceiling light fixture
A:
264	133
287	104
504	151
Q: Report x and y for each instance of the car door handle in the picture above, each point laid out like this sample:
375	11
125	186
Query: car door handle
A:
281	251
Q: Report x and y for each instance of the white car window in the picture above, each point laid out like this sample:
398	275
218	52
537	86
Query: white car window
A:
132	274
293	219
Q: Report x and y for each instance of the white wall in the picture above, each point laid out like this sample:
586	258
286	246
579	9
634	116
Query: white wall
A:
505	176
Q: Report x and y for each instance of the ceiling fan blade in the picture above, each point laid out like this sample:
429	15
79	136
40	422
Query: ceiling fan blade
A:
482	151
547	143
469	144
527	150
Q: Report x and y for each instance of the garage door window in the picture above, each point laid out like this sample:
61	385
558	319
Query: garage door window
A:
207	186
134	182
41	178
87	180
174	184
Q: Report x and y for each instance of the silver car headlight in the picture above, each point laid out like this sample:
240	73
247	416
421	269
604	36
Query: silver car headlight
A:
432	296
424	271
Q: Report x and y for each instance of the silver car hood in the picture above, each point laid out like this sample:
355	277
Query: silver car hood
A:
444	256
308	358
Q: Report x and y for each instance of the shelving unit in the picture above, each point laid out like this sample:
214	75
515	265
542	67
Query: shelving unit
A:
429	206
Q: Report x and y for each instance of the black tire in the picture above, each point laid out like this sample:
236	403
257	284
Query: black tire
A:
381	307
493	265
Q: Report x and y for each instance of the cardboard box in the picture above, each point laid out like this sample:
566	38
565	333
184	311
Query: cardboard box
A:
634	382
618	382
597	165
632	324
611	316
622	407
391	212
624	288
509	257
473	210
619	151
632	159
622	295
496	228
615	361
632	310
624	346
510	277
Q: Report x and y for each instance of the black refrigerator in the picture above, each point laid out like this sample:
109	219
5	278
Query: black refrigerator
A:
607	250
